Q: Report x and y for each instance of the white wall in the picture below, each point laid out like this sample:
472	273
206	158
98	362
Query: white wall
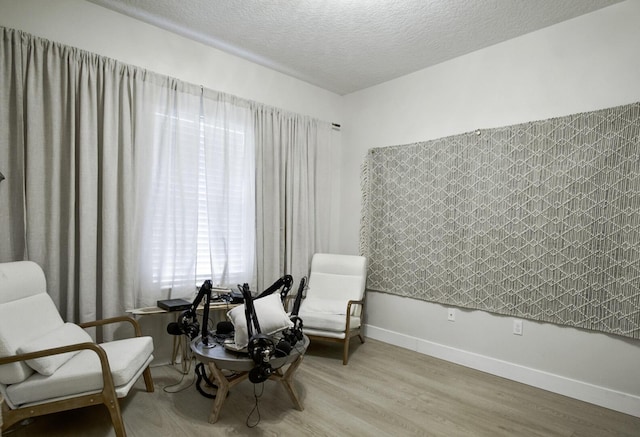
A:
584	64
90	27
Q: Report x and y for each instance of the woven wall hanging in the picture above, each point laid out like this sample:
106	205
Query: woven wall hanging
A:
539	220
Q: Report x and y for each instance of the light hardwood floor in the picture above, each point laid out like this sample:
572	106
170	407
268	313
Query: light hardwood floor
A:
383	391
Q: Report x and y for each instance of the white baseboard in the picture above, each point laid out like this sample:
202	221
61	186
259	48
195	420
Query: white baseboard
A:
601	396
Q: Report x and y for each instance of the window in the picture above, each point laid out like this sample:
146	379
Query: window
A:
202	222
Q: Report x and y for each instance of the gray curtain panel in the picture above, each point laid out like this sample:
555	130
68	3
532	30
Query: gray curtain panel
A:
539	220
67	136
293	202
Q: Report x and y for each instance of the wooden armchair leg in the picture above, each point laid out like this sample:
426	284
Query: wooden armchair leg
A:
345	352
113	406
148	380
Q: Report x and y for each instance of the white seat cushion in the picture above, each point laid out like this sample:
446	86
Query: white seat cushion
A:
326	322
325	334
82	373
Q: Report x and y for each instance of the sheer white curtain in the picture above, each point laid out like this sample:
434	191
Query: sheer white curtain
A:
199	217
229	158
169	212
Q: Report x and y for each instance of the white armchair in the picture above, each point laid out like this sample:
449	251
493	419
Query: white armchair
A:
334	304
47	365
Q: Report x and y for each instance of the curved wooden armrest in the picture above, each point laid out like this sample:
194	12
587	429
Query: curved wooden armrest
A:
75	347
354	302
55	351
102	322
349	305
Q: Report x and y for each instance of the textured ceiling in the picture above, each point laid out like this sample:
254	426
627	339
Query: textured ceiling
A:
347	45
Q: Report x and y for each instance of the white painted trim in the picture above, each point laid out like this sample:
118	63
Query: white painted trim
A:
601	396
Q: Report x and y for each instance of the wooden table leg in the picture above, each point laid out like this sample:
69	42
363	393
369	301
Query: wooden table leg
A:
181	345
287	382
224	384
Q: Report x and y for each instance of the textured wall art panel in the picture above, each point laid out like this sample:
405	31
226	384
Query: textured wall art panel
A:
539	220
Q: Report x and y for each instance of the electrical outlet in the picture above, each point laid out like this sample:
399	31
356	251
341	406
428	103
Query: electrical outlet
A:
451	314
517	327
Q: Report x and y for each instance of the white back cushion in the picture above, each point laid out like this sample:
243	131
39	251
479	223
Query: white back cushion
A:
335	287
26	313
336	279
20	279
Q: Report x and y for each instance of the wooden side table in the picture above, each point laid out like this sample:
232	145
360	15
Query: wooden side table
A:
218	359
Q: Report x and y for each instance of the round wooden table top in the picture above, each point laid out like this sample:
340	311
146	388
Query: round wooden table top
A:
240	361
